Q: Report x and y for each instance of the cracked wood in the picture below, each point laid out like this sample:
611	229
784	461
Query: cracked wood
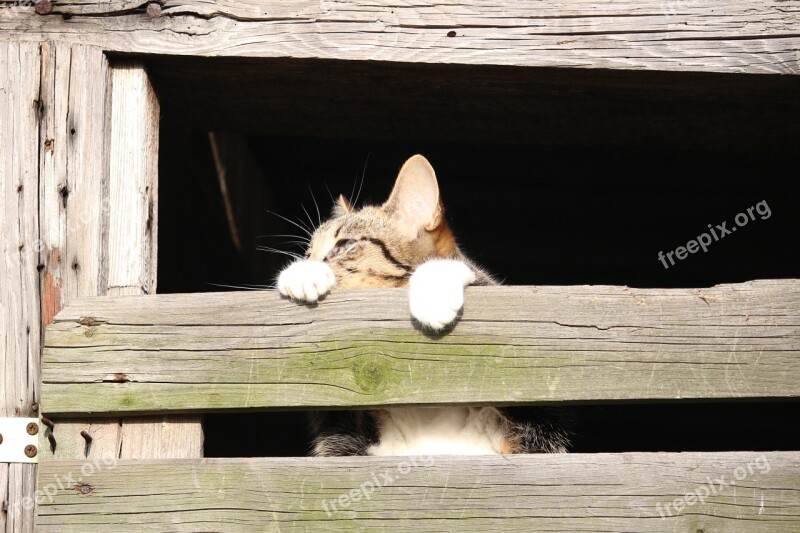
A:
547	492
239	351
702	35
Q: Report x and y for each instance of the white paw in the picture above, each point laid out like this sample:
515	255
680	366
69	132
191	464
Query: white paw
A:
436	291
306	281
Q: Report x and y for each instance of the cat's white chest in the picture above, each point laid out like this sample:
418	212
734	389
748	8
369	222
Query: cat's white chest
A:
439	431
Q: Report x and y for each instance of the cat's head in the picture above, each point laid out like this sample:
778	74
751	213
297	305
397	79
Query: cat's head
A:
379	246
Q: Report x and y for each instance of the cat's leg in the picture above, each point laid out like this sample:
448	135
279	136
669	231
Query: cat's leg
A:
341	433
539	430
306	281
436	291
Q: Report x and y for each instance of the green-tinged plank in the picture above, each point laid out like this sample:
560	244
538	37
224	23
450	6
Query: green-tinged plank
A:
747	492
238	351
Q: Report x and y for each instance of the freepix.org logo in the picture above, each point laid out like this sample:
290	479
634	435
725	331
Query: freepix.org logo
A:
715	234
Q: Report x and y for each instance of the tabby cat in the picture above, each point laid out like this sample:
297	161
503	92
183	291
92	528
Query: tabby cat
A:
407	242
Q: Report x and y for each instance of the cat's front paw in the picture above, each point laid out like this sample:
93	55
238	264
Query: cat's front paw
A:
306	281
436	292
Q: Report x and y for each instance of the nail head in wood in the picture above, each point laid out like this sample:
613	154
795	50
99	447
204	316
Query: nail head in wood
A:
43	7
153	10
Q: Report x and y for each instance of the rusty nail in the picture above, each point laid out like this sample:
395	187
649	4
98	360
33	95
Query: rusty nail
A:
32	428
153	10
47	422
43	7
34	405
86	436
31	451
451	33
52	440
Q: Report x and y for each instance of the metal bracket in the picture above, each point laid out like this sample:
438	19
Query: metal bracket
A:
19	440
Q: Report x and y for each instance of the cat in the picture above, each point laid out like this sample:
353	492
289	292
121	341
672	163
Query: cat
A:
407	242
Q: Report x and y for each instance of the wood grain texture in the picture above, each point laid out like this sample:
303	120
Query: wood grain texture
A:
133	181
235	351
701	35
20	329
89	171
549	492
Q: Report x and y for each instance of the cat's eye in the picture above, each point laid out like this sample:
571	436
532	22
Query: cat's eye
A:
342	246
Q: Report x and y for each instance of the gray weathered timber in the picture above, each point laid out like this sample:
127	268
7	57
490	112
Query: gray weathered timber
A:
20	328
236	351
550	492
701	35
98	224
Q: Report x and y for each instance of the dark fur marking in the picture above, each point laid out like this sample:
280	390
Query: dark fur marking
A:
388	255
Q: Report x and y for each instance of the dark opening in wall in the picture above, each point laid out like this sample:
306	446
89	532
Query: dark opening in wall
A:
548	177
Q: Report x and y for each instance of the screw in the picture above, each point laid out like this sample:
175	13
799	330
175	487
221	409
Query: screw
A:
31	451
1	438
32	428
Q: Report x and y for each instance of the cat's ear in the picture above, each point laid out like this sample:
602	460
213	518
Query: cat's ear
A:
341	207
414	201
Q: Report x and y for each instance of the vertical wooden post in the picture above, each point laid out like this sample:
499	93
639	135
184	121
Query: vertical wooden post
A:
100	221
20	333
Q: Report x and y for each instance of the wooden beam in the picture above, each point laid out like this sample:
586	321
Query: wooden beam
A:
20	329
702	35
98	194
747	492
238	351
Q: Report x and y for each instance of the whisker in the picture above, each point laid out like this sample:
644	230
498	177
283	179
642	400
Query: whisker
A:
304	239
309	216
316	205
305	230
276	251
363	173
329	191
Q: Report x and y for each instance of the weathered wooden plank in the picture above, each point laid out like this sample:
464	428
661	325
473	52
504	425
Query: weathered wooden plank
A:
20	329
133	177
702	35
732	492
94	190
357	348
133	243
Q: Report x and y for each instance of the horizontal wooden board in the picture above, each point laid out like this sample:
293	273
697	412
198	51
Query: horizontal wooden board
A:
700	35
254	350
747	492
